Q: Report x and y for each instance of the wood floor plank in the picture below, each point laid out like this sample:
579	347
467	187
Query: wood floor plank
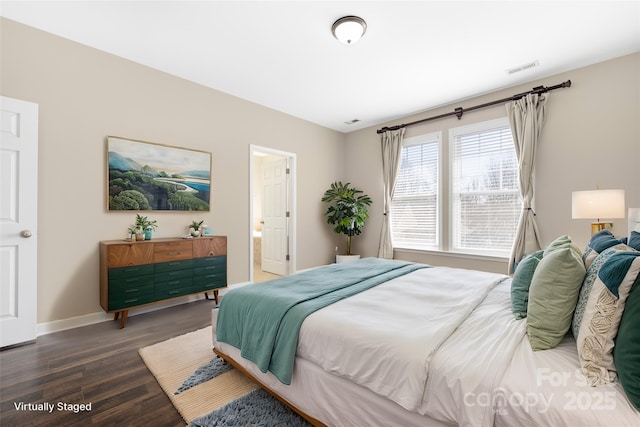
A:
97	364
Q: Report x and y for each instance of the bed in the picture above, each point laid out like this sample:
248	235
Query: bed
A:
427	346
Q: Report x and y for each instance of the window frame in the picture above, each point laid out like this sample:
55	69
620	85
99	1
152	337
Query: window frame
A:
422	139
478	127
445	210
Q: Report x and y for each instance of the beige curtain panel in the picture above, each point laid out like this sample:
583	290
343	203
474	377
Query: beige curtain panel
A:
526	117
391	142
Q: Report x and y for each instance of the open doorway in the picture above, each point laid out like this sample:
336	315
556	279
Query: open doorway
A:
272	214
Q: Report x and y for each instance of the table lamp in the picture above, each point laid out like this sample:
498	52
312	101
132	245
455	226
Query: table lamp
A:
597	204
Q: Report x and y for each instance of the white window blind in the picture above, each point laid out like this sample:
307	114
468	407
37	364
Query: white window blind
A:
415	204
485	202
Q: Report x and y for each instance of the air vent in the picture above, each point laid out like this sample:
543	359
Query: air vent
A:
350	122
523	67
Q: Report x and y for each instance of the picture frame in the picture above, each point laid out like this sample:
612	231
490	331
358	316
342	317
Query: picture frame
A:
144	176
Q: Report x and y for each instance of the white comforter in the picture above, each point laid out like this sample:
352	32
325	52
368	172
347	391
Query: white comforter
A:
393	347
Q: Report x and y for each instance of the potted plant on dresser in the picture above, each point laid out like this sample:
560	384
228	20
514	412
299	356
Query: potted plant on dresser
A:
347	212
144	226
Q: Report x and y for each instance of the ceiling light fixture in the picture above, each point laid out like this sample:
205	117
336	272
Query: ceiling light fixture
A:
349	29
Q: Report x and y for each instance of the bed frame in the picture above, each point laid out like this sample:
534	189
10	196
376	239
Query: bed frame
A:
239	367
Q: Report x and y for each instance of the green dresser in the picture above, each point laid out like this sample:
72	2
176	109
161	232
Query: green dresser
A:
134	274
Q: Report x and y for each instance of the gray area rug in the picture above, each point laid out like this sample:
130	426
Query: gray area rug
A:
257	408
204	373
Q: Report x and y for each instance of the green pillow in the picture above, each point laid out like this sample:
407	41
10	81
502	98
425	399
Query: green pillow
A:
553	295
626	353
558	243
521	282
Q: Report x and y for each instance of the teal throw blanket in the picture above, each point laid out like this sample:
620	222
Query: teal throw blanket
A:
263	321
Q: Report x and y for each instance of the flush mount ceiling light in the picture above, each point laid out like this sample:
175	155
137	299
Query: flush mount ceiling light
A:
349	29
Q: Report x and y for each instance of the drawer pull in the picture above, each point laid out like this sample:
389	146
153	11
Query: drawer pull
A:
173	292
131	290
127	301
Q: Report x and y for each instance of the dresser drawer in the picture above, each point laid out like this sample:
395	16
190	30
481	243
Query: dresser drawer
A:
208	285
212	261
173	284
130	301
130	271
172	276
120	284
165	267
161	294
209	246
172	251
212	269
210	281
129	254
131	290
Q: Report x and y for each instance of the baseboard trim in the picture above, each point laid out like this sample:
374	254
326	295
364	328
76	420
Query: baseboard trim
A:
101	316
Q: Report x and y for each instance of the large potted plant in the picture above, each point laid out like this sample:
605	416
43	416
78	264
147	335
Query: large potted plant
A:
347	212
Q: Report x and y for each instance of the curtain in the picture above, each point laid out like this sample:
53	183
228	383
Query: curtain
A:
526	117
391	142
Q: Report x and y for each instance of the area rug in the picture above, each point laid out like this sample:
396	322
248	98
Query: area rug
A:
207	391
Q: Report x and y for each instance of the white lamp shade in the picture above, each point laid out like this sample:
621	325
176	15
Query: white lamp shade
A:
349	29
597	204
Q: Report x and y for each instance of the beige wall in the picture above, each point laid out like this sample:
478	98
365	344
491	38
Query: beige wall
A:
84	95
591	137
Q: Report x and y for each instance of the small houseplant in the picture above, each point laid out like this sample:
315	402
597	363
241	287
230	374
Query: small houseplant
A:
144	226
347	211
194	228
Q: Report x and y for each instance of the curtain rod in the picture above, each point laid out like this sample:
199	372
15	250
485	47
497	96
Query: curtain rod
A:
459	111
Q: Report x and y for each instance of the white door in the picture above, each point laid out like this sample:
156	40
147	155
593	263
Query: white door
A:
18	220
274	216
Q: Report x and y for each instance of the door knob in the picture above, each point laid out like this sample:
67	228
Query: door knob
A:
25	233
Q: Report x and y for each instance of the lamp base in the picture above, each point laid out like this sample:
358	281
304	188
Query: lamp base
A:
599	226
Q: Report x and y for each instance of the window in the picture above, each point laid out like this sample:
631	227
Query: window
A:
414	208
485	202
480	197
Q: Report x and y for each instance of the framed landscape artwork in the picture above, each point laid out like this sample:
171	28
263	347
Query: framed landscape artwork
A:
148	176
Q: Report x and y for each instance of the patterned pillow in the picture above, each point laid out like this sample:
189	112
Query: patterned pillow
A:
602	315
590	277
599	242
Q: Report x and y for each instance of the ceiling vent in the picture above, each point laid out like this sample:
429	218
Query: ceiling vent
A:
523	67
350	122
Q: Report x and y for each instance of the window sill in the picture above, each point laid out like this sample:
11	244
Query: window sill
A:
493	258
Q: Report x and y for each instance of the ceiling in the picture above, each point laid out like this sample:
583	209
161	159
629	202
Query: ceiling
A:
415	55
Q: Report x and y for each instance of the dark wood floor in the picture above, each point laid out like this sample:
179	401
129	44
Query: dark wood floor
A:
97	364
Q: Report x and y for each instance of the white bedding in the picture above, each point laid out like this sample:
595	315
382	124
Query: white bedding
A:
475	371
548	388
393	329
